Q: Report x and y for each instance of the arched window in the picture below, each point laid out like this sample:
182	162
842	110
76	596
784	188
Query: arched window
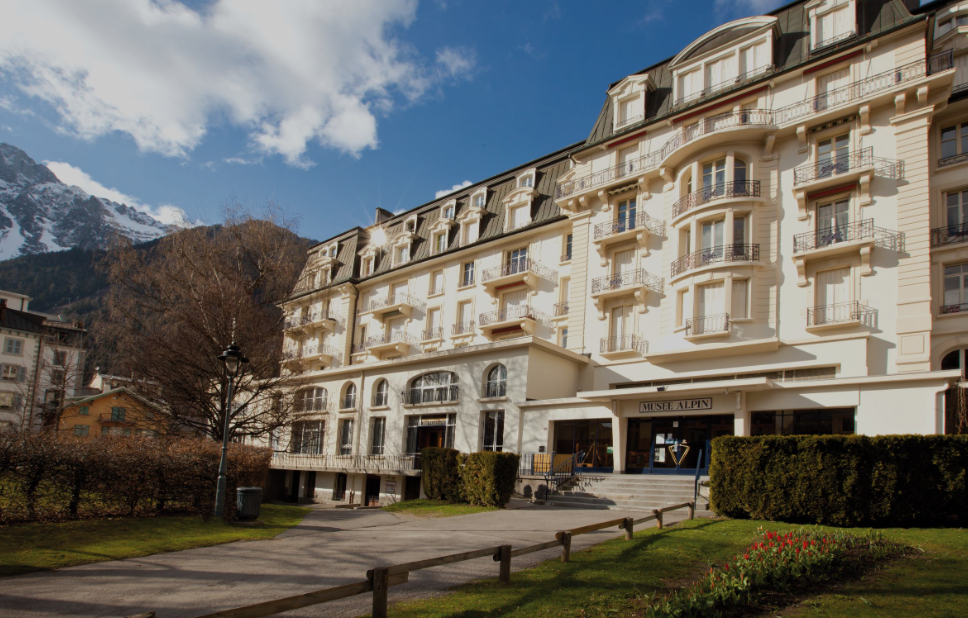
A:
311	400
349	397
437	387
497	382
381	394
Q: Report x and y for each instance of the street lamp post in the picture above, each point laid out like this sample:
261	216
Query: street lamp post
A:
232	361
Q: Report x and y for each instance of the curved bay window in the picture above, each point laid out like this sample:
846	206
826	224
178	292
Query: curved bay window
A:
437	387
956	397
381	394
311	400
497	382
349	397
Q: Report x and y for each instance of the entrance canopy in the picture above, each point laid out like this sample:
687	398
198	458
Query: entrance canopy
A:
679	393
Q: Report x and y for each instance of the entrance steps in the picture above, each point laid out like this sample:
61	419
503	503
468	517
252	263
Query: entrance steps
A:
627	492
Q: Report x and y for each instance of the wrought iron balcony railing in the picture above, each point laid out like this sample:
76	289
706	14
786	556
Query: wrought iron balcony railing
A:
706	126
388	338
310	350
439	394
707	324
512	313
432	333
958	158
462	328
622	170
561	309
723	86
866	87
825	237
395	299
623	343
840	313
829	44
518	266
627	121
641	220
318	461
949	235
617	281
828	168
954	308
715	255
721	191
380	399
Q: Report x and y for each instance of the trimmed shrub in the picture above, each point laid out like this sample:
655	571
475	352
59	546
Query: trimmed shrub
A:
440	469
841	480
488	478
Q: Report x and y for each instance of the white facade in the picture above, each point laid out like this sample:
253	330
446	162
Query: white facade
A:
756	238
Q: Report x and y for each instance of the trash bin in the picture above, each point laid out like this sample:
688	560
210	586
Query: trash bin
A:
249	503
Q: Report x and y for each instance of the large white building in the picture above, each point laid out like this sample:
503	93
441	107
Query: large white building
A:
767	233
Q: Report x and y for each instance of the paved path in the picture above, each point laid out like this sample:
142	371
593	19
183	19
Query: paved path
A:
330	547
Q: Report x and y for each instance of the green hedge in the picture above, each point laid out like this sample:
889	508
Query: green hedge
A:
841	480
488	478
441	473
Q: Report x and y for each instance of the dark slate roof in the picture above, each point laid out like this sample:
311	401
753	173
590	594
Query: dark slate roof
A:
22	321
791	49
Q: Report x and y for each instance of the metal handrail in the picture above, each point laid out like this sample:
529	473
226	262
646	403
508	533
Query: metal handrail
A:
519	266
437	394
512	313
394	337
723	86
865	87
949	234
347	462
394	299
720	191
860	230
958	158
954	308
695	495
828	44
706	324
623	343
563	471
561	309
432	333
841	165
631	120
622	170
715	255
642	220
617	281
462	328
746	117
839	313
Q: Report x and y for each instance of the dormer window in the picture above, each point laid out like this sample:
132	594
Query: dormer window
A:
440	242
449	212
947	25
479	200
368	266
411	225
526	181
831	21
629	110
401	255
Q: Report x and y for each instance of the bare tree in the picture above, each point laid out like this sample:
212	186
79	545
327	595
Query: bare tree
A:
173	309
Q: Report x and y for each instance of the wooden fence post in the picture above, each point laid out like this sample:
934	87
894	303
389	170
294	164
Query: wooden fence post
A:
505	576
692	510
658	518
381	587
565	547
629	527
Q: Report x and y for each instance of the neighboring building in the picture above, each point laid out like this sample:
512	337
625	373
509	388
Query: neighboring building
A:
41	363
117	412
767	233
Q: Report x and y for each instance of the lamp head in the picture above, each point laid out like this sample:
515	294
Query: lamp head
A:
233	360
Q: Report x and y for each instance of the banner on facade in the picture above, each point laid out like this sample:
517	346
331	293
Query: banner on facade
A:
676	405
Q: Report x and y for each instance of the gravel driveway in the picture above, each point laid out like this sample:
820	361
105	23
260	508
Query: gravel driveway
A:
330	547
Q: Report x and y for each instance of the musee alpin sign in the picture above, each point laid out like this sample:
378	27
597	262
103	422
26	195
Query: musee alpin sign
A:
676	405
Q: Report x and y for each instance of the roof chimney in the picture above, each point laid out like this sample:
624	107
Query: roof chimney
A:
382	215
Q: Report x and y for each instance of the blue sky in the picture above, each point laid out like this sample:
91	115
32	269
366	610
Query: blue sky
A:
327	109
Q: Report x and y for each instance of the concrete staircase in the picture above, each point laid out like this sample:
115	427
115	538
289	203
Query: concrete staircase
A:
627	492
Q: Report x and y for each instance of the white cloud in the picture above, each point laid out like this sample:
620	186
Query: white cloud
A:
735	9
287	73
76	177
456	187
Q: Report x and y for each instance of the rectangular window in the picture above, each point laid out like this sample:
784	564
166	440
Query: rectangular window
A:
721	72
740	299
712	239
437	282
464	314
711	301
7	400
81	430
519	217
117	414
627	161
480	200
954	140
623	262
60	358
378	435
346	437
714	179
740	231
440	243
493	431
827	421
307	438
684	307
526	181
626	215
517	260
467	274
14	346
567	253
563	337
690	84
833	156
449	212
956	204
955	283
84	411
10	373
402	255
832	222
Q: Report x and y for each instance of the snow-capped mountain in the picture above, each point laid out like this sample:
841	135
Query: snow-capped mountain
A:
39	213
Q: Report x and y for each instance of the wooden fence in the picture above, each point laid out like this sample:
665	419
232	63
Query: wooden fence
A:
381	579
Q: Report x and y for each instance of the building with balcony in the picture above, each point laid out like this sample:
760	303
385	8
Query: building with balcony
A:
763	234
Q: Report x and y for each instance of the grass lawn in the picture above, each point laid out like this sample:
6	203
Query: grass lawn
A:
33	547
617	578
435	508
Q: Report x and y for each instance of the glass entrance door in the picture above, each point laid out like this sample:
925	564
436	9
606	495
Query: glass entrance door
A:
673	445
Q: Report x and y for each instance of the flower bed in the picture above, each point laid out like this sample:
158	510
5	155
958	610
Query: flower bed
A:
776	563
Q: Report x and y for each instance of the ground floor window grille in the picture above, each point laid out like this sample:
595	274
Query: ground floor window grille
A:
494	431
307	438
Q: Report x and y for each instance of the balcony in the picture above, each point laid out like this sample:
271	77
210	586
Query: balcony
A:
722	87
523	317
954	308
560	311
713	131
949	235
406	465
952	160
109	419
860	237
865	88
392	306
622	346
432	334
723	255
441	395
625	122
312	353
311	321
637	282
391	342
622	172
840	315
463	329
519	271
832	43
640	227
708	326
736	190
